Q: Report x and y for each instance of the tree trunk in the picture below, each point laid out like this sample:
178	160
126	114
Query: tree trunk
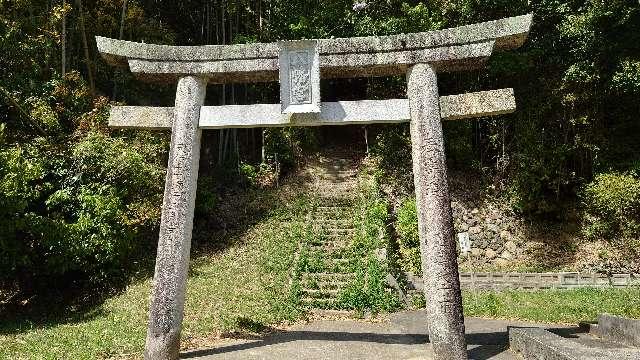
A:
435	222
123	16
85	45
64	39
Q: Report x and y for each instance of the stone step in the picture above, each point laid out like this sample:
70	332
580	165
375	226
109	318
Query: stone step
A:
338	223
332	208
333	227
345	177
337	265
324	285
330	190
334	214
330	238
329	313
327	276
350	182
325	221
340	217
331	246
336	197
329	253
330	303
338	232
321	293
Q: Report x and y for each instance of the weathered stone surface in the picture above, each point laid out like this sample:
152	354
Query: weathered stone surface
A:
540	344
618	329
217	72
454	58
435	223
488	103
506	255
299	69
331	113
443	59
508	33
176	223
270	115
147	117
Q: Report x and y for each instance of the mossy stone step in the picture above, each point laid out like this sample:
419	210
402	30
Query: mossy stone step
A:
321	293
330	303
324	285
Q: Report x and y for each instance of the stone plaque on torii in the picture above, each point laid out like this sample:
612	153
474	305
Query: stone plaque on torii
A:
299	65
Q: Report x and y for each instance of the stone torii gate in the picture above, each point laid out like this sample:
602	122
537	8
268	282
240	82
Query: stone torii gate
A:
299	65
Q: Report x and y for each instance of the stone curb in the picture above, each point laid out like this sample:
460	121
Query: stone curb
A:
541	344
503	281
617	329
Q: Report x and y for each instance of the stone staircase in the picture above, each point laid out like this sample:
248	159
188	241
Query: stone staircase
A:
332	221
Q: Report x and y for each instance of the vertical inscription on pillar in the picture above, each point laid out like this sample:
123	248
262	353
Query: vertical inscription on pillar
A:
299	76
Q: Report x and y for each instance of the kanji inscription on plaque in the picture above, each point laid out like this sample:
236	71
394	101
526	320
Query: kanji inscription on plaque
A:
299	77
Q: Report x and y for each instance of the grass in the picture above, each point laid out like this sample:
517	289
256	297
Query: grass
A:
553	306
242	286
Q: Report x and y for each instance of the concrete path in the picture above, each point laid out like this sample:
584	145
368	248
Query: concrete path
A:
401	335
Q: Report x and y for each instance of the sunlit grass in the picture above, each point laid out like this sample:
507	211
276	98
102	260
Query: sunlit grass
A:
554	306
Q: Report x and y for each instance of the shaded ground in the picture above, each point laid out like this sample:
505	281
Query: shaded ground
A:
401	335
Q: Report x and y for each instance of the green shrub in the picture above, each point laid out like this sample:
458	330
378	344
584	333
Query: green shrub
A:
19	176
392	148
408	237
612	207
367	290
78	209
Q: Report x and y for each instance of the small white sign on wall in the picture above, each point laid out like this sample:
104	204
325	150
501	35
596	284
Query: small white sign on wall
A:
465	242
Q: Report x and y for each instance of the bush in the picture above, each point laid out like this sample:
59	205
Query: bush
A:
612	207
19	176
77	211
408	237
392	148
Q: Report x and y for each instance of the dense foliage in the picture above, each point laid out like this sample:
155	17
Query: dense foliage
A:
612	204
78	199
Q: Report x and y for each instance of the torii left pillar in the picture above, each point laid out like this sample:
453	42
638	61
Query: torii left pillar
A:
174	245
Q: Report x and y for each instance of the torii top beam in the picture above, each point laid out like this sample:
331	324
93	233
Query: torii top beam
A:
460	48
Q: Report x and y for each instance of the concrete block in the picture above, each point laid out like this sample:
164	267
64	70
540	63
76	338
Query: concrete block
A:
618	329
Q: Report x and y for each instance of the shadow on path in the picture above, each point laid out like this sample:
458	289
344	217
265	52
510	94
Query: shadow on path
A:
482	346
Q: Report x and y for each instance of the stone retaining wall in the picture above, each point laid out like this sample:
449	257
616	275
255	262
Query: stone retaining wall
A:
493	234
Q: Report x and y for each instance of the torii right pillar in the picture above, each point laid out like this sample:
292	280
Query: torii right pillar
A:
435	221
